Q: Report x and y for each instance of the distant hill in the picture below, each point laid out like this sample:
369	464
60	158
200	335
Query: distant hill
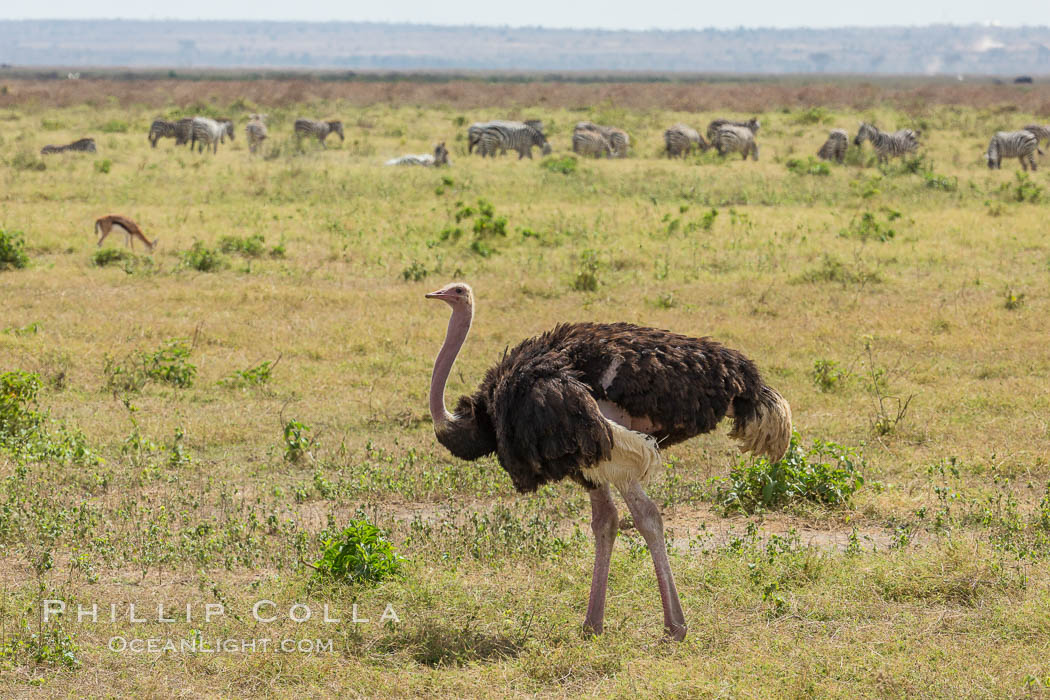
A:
932	50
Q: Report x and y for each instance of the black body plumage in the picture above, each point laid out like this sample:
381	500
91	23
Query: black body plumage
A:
537	408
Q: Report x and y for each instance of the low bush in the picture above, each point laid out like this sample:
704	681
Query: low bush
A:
359	554
826	473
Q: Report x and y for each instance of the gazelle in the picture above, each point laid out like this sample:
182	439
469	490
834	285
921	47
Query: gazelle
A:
105	225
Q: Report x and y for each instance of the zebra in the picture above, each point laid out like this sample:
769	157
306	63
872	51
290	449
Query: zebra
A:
475	130
184	132
618	139
439	157
680	139
86	145
735	139
256	131
835	147
319	129
712	128
161	129
1022	145
209	132
1041	132
519	136
888	145
591	142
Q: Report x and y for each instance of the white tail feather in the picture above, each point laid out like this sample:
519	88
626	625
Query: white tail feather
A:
769	433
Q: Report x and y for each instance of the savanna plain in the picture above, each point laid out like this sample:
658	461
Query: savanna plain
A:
207	424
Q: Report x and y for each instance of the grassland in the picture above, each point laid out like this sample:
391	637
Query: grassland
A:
854	290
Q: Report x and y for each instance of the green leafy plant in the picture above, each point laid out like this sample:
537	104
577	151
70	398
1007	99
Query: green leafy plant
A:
114	126
12	250
565	165
110	256
1013	300
1023	189
586	279
359	554
416	272
810	166
296	442
868	227
168	364
252	376
202	258
103	166
251	246
825	473
827	375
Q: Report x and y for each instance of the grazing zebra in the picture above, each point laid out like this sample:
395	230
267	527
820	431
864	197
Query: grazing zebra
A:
1041	132
888	145
184	131
591	142
440	157
81	145
835	147
161	129
735	139
519	136
619	141
1012	144
680	139
209	132
319	129
256	131
712	128
475	130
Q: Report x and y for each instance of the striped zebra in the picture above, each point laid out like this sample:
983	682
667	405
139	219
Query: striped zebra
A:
619	141
712	128
475	130
888	145
1042	133
256	132
735	139
184	132
209	132
680	139
835	147
518	136
439	157
80	145
591	142
318	129
1022	145
160	129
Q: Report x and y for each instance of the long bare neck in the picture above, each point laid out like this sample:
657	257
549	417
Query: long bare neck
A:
458	327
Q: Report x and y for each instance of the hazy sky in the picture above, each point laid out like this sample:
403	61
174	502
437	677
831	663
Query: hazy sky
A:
609	14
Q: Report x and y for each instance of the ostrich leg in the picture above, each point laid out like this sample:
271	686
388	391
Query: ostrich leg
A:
604	523
647	519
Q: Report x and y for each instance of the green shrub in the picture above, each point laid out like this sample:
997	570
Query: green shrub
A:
813	115
109	256
416	272
103	166
827	375
27	433
810	166
868	227
826	473
249	246
12	250
296	443
114	126
586	279
359	554
168	364
566	165
252	376
201	257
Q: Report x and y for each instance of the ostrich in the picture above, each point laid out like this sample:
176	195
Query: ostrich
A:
591	402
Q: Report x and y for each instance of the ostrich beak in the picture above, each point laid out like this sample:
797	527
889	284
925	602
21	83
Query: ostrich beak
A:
439	294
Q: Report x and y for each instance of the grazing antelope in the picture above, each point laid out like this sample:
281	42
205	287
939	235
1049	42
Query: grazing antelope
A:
105	225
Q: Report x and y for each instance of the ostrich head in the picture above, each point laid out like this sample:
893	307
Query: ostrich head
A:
458	295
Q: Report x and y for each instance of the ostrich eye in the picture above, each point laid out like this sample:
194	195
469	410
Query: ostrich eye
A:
459	290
